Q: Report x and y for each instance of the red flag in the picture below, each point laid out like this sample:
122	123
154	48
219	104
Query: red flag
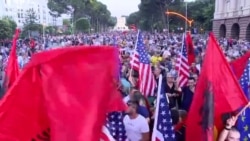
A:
239	65
12	69
63	96
133	27
217	92
190	49
32	43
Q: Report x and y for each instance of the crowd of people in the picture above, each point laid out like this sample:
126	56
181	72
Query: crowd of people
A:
163	50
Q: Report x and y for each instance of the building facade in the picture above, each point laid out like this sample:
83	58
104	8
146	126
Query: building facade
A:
17	9
232	19
121	24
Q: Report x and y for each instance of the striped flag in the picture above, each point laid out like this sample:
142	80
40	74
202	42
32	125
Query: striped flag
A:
114	130
244	119
141	63
163	127
182	65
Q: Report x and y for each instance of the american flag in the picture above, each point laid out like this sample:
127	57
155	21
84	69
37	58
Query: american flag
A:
244	119
141	63
114	129
182	65
163	128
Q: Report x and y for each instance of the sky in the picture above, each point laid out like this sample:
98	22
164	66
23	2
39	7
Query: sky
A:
120	8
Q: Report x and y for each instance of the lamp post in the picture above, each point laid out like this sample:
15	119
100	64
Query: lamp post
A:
186	2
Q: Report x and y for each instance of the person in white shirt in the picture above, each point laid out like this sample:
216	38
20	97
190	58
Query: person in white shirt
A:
136	126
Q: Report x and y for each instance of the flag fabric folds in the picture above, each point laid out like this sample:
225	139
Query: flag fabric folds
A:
163	128
62	95
141	62
182	65
114	128
244	119
12	69
239	64
217	92
190	49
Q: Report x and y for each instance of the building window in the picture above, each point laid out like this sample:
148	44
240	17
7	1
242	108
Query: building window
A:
18	15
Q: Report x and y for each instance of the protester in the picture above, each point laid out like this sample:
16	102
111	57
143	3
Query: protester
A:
230	133
163	52
136	126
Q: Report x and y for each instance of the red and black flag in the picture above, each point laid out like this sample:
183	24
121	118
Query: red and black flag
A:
217	92
207	113
190	49
60	99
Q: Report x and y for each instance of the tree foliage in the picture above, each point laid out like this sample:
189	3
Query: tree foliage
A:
151	14
5	30
30	25
82	25
11	23
30	17
97	12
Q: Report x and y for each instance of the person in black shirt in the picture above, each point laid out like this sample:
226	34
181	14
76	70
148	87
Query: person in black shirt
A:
187	94
171	91
178	119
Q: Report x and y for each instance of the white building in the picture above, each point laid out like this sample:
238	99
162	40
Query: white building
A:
121	24
16	9
232	19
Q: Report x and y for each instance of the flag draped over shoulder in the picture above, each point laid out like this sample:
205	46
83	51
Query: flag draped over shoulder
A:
62	95
217	92
12	69
239	64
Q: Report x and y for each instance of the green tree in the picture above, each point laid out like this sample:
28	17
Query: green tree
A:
133	18
151	14
32	30
99	15
82	25
51	30
31	27
11	23
5	30
66	22
30	17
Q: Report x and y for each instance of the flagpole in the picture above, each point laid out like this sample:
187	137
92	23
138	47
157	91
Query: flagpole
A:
157	106
186	18
243	110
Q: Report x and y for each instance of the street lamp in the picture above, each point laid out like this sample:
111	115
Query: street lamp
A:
186	1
